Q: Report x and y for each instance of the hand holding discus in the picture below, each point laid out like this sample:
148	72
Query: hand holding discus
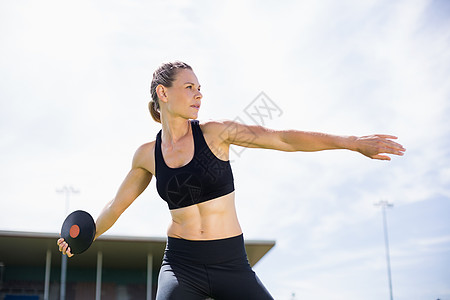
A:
78	231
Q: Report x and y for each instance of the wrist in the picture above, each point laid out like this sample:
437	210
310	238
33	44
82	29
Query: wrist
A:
351	143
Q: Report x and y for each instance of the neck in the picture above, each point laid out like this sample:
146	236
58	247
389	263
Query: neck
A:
174	129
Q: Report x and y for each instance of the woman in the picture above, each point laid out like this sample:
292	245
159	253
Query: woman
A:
205	254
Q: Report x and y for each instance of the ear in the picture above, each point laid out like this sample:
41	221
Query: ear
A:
161	91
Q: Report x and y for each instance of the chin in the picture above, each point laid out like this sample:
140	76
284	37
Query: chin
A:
190	117
194	116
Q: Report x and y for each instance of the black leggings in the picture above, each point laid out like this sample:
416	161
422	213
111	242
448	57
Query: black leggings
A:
216	269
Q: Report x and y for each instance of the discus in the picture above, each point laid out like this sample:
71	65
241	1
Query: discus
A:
78	230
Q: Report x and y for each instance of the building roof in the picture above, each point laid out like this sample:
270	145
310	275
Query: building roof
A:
129	252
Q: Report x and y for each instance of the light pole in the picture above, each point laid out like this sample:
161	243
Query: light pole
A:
68	191
384	205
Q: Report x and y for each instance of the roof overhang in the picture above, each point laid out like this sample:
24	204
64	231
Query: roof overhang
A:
129	252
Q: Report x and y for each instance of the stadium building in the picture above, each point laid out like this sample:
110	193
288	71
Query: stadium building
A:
114	268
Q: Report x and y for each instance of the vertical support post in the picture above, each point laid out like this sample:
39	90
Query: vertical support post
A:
384	205
149	276
62	290
388	259
98	286
48	261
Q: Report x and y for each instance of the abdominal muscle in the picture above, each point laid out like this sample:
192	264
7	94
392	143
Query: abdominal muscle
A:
210	220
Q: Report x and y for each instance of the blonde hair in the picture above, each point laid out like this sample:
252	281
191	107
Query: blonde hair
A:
164	75
153	107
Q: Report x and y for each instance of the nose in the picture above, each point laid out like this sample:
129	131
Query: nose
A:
198	96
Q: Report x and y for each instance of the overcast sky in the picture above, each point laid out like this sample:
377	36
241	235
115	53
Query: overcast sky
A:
74	90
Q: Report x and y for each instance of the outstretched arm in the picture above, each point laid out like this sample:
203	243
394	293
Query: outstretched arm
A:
373	146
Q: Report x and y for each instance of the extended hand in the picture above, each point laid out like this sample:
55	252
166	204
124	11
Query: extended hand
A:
373	145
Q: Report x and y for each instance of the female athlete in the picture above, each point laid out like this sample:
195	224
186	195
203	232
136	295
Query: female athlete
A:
205	255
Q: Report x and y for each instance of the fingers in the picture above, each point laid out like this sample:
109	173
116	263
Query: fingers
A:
64	247
381	157
395	148
374	146
387	136
395	145
390	147
392	150
387	150
69	253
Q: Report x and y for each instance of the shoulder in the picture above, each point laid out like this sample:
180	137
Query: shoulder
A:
145	148
144	157
231	131
216	127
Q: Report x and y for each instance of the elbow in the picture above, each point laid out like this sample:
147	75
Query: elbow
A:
285	142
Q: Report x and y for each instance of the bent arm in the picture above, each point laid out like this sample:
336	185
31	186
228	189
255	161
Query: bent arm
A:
136	181
134	184
295	140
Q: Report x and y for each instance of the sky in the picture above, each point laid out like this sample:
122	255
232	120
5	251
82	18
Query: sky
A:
74	91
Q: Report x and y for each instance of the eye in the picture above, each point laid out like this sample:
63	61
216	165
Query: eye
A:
189	87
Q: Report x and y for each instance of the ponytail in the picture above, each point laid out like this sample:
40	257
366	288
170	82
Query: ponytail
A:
153	108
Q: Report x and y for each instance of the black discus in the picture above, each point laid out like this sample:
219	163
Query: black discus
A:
78	230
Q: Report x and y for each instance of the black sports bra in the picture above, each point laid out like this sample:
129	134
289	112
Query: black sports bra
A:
204	178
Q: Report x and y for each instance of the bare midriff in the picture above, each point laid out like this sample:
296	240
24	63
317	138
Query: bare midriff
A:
210	220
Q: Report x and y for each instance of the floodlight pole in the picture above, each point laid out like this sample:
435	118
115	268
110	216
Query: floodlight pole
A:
67	190
384	205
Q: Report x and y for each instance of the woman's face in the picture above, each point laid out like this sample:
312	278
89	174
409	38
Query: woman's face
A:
184	97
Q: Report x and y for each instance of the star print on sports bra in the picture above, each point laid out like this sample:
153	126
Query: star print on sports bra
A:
204	178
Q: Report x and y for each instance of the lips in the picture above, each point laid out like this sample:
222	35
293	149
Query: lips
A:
196	106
